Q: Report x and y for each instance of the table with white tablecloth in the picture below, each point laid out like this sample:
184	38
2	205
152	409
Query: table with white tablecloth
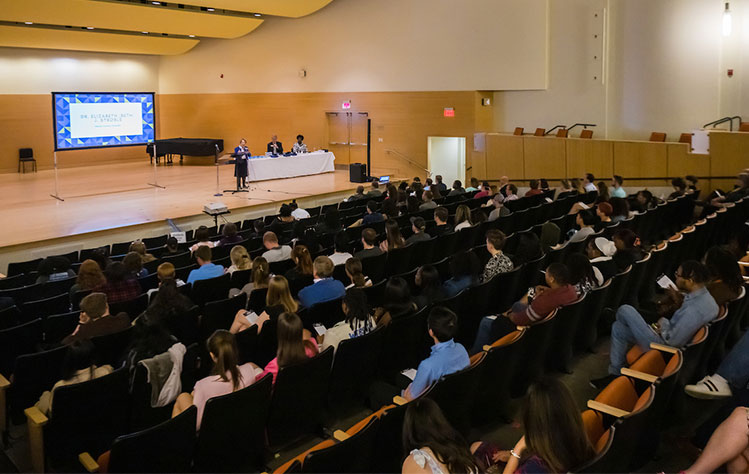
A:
264	167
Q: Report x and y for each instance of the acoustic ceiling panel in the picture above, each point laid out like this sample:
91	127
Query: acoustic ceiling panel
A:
127	17
81	40
287	8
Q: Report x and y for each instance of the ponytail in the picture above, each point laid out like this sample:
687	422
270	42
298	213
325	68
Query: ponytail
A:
354	269
223	346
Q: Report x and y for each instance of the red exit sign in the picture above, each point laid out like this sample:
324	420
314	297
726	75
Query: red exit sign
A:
448	112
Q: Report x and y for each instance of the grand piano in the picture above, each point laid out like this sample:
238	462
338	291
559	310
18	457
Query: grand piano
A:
185	146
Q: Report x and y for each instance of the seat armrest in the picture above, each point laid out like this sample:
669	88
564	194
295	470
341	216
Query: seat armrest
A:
88	462
4	384
663	348
36	421
340	435
608	409
636	374
398	400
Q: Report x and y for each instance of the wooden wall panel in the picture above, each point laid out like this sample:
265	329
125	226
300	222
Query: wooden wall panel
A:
504	157
682	163
729	153
590	156
545	157
640	159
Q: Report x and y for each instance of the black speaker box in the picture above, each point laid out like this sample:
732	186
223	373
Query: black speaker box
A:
357	173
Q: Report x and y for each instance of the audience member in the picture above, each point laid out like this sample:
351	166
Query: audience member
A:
544	184
528	249
274	251
616	187
433	446
698	309
324	287
619	209
101	256
77	366
600	251
427	279
358	322
644	201
172	246
140	248
484	192
499	262
302	269
229	235
412	204
341	253
283	220
169	304
259	277
577	185
121	285
440	219
439	185
359	194
134	265
550	234
627	249
202	236
474	185
258	228
373	215
446	356
292	347
297	212
511	192
393	237
375	191
369	241
740	191
354	272
534	188
207	269
428	201
727	447
603	193
680	188
418	225
532	308
582	273
397	302
588	185
462	268
499	210
691	182
226	377
278	300
585	220
725	279
95	320
90	277
462	217
54	269
457	188
390	209
240	259
151	338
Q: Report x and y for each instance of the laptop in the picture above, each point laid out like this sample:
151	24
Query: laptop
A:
384	179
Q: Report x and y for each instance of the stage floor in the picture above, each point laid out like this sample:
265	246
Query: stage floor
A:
113	196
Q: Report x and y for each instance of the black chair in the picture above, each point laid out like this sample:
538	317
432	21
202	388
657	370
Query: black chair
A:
375	293
505	289
55	288
587	329
455	394
564	328
186	327
227	419
75	299
132	307
150	281
534	345
398	261
212	289
110	348
353	454
256	300
220	314
327	313
374	267
17	281
446	245
166	447
281	267
17	268
247	344
493	391
406	343
26	155
58	326
17	341
33	374
389	453
142	414
9	317
286	425
240	278
354	369
179	260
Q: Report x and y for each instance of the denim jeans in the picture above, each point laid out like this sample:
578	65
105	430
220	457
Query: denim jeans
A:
735	367
628	329
490	330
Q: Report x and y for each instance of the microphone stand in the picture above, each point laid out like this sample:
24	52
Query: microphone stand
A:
218	192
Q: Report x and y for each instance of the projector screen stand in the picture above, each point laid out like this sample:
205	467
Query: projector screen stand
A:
57	193
155	183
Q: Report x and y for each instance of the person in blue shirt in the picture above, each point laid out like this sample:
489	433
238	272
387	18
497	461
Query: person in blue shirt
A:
373	215
698	309
446	357
207	269
616	187
324	287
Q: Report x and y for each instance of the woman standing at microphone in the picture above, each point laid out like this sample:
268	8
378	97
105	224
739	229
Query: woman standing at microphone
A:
240	163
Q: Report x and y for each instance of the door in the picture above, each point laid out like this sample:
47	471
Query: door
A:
347	136
447	157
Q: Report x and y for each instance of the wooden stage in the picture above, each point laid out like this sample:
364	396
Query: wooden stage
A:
115	196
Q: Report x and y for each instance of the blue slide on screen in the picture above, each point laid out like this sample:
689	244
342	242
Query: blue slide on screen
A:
97	120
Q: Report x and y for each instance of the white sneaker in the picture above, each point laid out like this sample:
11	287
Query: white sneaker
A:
710	387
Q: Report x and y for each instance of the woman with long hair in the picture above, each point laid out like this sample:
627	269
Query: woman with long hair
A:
627	248
169	304
397	301
292	347
428	280
90	277
462	217
303	263
582	276
393	237
121	284
434	446
140	248
150	338
354	272
240	259
725	275
226	377
278	300
358	322
134	265
548	403
259	277
603	192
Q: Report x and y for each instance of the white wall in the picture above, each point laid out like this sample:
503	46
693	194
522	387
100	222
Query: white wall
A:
32	71
383	45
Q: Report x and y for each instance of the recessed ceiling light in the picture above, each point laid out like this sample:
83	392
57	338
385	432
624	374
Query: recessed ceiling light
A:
258	14
156	3
191	36
89	27
29	22
210	9
144	32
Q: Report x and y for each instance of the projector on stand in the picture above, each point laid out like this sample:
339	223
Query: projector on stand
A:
215	208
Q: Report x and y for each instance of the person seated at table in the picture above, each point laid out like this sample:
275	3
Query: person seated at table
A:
299	146
240	163
275	147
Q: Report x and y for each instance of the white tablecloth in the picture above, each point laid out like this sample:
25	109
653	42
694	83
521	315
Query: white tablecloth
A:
262	168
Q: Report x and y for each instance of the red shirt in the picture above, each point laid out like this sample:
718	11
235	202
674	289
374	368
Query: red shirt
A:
533	192
543	304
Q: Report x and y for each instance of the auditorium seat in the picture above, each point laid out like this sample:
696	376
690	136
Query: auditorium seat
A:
686	138
493	391
232	431
110	348
375	292
562	133
587	329
17	268
209	290
286	425
220	314
737	309
406	343
456	393
534	346
540	132
744	127
636	280
349	451
618	289
657	137
586	133
42	308
179	260
17	341
565	324
327	313
85	417
133	307
601	437
389	453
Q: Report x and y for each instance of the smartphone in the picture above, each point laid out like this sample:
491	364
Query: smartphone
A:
251	317
665	282
319	329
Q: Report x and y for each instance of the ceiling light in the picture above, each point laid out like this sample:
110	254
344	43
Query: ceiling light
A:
156	3
144	32
29	22
258	14
89	27
191	36
210	9
727	21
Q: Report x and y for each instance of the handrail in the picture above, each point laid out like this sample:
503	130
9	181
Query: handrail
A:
554	128
396	152
725	119
584	125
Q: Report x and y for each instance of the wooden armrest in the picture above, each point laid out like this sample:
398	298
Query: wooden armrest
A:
636	374
486	347
36	421
88	462
608	409
520	328
400	401
340	435
663	348
4	383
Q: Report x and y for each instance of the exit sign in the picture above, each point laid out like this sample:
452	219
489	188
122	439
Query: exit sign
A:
346	105
448	112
